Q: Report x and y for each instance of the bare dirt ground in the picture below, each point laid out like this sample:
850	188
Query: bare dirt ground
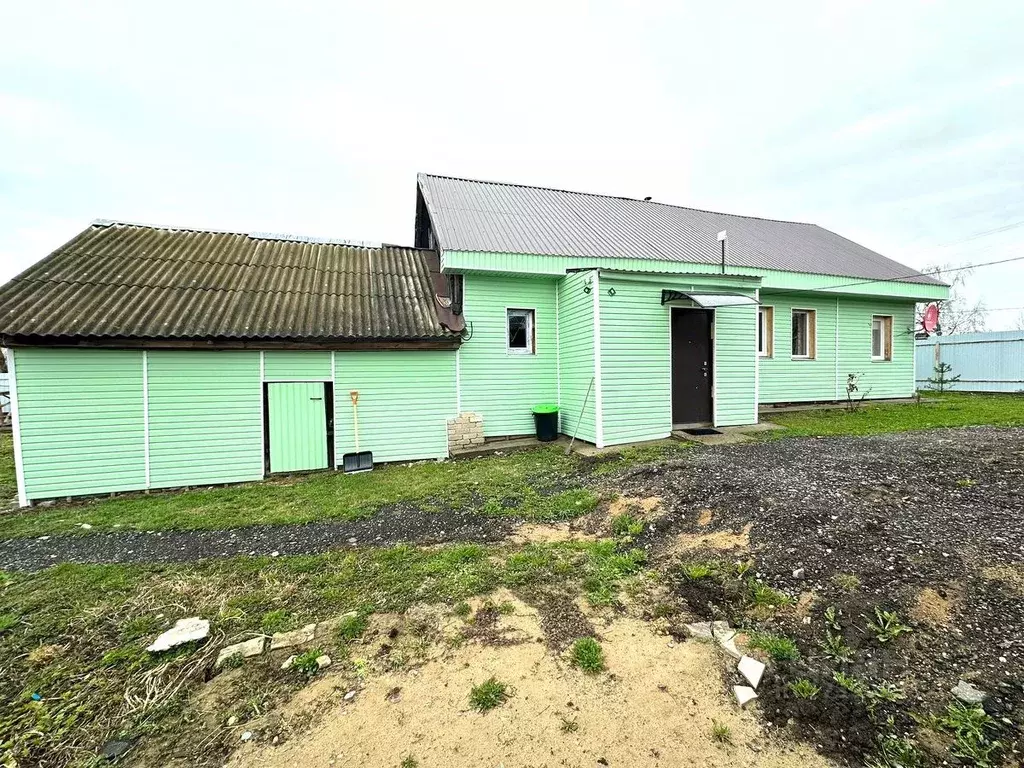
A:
926	525
654	706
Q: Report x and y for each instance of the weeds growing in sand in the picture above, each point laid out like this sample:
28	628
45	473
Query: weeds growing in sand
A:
587	655
489	694
720	732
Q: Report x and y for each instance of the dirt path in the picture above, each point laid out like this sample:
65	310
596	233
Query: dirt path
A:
655	706
392	526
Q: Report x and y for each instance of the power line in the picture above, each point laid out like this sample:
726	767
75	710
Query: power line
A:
919	274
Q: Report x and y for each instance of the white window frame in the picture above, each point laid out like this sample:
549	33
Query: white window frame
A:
811	334
885	338
531	331
766	331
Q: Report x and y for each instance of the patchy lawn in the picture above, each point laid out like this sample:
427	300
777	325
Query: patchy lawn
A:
955	409
8	478
872	573
541	484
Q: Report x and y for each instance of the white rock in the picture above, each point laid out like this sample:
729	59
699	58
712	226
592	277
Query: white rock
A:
718	631
184	631
86	527
249	648
751	669
233	720
744	694
296	637
275	553
289	662
323	661
247	735
968	694
798	573
350	695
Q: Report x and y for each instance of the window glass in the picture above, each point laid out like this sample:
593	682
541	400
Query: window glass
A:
764	331
800	334
520	331
881	338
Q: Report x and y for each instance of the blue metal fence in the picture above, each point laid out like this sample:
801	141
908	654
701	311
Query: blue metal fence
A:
985	362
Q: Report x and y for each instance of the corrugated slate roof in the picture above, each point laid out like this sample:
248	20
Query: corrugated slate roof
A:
132	281
510	218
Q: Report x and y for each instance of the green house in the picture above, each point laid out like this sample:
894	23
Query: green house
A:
152	357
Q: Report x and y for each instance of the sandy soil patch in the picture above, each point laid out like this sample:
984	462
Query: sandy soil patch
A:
723	541
592	526
654	707
1010	575
932	608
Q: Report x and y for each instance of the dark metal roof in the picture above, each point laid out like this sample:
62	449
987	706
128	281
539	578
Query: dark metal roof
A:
131	281
510	218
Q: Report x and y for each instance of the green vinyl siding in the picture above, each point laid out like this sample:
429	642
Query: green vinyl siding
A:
81	421
843	323
783	379
297	426
576	357
405	401
878	378
205	417
735	366
536	264
499	386
296	365
636	372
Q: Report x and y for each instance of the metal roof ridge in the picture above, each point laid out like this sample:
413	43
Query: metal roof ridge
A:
616	197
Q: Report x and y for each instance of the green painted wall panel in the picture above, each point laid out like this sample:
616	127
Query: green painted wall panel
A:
405	401
843	323
519	263
576	357
735	366
502	387
878	378
81	420
205	417
296	365
636	365
297	426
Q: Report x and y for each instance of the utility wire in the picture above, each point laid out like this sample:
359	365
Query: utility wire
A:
919	274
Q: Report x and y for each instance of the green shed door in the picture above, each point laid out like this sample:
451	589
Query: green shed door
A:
298	426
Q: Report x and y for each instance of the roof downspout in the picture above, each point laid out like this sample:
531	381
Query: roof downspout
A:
723	238
598	399
837	350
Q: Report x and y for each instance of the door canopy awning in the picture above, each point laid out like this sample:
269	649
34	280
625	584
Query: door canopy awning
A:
707	300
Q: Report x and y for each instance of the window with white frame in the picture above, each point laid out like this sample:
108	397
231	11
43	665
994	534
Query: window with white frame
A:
520	336
803	334
765	331
881	337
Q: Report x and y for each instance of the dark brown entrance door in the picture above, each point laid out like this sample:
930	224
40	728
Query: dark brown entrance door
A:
691	366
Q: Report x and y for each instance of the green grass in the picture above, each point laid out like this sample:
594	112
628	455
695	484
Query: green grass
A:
780	648
720	732
8	478
98	619
803	688
586	654
956	409
542	484
489	694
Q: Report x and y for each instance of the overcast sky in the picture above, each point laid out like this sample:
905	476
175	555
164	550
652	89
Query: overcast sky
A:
897	124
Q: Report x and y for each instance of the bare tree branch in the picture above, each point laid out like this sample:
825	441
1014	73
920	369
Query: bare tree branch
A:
956	314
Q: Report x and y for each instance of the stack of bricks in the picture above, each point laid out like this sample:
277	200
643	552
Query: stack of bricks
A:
465	432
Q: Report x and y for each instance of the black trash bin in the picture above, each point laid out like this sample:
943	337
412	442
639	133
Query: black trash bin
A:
545	419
